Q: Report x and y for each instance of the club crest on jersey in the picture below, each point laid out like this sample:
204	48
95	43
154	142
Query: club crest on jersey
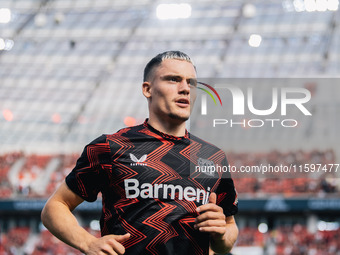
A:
206	166
138	162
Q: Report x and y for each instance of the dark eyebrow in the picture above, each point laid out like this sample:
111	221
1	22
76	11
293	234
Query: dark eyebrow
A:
192	81
168	76
178	77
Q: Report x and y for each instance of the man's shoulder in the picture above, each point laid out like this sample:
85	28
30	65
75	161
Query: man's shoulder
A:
124	133
120	134
128	131
204	143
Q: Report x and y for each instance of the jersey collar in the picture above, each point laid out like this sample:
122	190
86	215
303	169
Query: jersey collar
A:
166	136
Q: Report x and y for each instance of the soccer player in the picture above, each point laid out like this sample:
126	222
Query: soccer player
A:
152	202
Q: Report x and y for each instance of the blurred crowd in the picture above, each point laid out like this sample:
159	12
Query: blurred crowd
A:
20	240
319	178
292	240
37	176
21	174
283	240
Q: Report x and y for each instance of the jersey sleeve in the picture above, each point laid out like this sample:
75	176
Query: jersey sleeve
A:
226	193
89	176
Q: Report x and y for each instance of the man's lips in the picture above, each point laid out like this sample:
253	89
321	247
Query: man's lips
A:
183	102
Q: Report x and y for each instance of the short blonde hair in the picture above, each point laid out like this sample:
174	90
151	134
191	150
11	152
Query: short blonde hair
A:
157	60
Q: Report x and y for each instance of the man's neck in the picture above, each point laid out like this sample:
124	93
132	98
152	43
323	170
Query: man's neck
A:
175	128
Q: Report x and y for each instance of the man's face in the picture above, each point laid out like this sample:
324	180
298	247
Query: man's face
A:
172	90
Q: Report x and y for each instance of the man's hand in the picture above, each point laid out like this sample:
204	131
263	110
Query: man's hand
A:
109	244
211	218
58	218
223	230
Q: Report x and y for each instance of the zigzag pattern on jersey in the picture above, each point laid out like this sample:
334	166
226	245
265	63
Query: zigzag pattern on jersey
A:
124	172
92	152
107	216
136	236
218	158
190	206
154	159
156	221
190	152
186	224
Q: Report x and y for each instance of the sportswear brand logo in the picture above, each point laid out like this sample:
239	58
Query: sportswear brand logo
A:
165	191
138	162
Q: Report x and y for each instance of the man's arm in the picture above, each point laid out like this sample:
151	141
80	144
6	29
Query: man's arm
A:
58	219
226	243
223	230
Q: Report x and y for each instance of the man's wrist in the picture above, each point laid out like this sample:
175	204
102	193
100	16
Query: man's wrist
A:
86	243
220	243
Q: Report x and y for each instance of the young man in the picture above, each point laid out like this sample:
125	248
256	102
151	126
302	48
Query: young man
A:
152	203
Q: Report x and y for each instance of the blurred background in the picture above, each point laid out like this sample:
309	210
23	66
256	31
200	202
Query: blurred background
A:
72	70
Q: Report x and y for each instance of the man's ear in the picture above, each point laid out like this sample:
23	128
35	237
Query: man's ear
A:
146	88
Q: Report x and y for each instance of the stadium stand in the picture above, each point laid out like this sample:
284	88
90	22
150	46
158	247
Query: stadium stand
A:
49	244
292	240
297	240
6	162
14	240
69	71
25	183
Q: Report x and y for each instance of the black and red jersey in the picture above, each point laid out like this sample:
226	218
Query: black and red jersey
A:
151	185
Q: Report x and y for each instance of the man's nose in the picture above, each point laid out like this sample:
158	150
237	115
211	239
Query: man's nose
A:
184	86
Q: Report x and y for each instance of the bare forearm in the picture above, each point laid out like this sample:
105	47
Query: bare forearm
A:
226	243
60	221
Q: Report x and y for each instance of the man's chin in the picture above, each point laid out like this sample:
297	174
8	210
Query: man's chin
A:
178	117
